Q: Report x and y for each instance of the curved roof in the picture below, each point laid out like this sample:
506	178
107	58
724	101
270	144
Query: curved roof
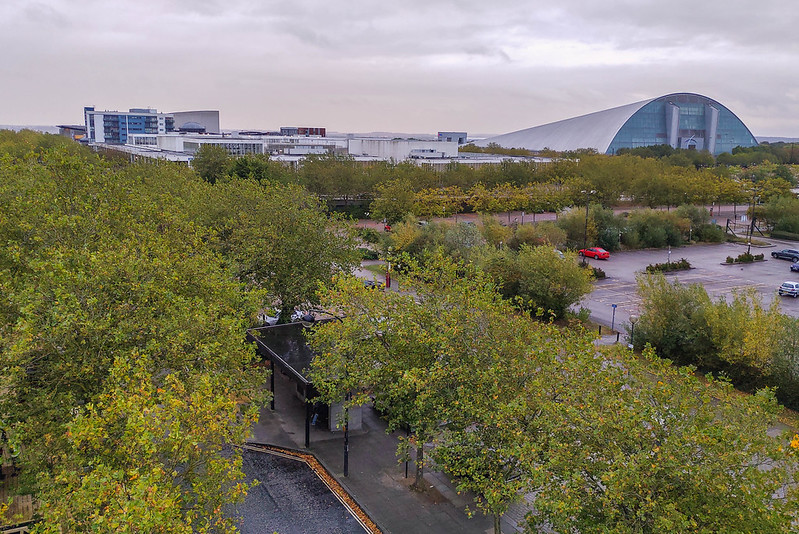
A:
595	130
192	126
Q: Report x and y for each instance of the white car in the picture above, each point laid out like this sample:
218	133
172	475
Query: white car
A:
789	288
271	320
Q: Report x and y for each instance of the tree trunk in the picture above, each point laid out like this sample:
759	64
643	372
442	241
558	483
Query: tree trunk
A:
418	483
497	523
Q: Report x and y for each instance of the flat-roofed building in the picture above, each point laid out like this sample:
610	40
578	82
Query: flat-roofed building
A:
402	149
114	127
459	137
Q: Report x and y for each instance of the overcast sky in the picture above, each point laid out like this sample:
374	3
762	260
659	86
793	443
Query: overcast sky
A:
415	66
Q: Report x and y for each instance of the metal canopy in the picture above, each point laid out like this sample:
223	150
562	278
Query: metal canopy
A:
285	345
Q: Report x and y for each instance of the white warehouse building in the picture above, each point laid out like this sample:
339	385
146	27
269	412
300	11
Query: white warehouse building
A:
294	145
402	149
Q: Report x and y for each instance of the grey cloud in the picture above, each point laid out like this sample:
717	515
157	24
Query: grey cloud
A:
369	65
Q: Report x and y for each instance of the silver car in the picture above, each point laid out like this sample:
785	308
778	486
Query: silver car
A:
789	288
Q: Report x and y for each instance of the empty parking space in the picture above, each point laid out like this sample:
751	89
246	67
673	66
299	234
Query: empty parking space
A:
709	270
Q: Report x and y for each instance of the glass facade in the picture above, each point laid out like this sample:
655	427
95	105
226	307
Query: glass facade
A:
702	124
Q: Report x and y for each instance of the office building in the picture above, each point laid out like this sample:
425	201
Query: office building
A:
113	127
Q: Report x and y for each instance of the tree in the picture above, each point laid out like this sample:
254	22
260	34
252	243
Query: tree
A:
508	380
752	344
393	201
121	353
745	336
507	406
650	448
673	320
158	454
260	168
543	283
281	240
507	197
212	163
577	231
494	232
333	176
383	344
543	233
461	239
481	199
436	364
441	202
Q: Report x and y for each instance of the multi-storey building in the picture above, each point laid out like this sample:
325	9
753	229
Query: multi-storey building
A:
113	127
303	130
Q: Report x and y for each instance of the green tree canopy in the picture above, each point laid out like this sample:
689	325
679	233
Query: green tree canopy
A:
212	163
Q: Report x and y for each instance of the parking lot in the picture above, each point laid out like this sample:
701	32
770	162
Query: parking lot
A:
708	269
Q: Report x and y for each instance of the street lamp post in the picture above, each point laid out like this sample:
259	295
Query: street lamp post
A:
388	270
751	224
633	320
613	318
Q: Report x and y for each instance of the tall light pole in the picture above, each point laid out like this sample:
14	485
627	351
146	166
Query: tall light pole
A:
633	320
752	223
388	270
585	232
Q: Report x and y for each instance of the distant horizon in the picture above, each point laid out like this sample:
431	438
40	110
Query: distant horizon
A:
53	129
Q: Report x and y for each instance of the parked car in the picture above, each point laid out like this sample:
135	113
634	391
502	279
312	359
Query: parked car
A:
795	267
786	254
271	320
594	252
789	288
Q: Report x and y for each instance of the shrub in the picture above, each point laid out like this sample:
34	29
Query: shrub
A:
368	254
709	232
681	265
778	234
752	345
545	232
746	257
537	276
598	273
656	229
369	235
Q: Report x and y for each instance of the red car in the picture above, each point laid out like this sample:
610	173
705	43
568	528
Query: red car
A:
595	252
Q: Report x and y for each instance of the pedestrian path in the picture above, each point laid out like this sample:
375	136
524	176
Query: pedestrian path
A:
376	480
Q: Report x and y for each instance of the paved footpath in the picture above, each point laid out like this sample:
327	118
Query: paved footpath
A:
376	480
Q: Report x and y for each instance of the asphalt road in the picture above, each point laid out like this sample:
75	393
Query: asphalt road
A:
708	269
